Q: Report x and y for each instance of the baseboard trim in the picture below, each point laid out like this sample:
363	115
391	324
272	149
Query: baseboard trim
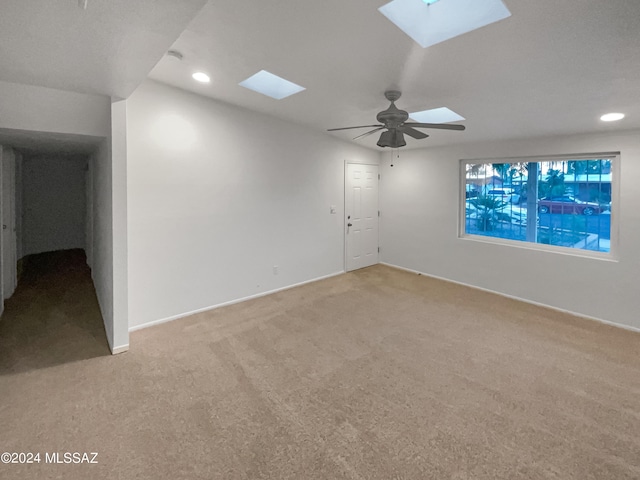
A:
520	299
231	302
120	349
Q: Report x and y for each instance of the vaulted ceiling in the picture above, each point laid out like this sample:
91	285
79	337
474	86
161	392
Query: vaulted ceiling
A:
107	48
550	68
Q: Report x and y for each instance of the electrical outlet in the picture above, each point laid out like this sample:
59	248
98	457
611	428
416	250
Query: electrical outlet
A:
332	209
275	269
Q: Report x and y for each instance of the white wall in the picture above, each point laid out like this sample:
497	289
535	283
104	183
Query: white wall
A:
218	195
53	203
119	226
106	227
88	227
419	230
19	205
102	233
26	107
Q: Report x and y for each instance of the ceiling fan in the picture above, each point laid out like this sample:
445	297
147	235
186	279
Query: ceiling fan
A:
395	121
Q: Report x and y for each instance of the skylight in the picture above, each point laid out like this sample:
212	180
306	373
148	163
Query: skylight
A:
436	115
271	85
429	22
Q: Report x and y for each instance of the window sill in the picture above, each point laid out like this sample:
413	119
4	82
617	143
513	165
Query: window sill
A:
540	247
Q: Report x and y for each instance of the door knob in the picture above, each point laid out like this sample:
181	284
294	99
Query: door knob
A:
349	225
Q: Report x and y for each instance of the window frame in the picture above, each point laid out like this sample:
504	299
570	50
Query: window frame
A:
612	255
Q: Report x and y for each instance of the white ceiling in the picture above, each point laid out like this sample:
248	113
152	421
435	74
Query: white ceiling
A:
107	49
553	67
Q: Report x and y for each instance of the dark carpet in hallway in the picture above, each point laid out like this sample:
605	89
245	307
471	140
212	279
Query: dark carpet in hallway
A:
53	317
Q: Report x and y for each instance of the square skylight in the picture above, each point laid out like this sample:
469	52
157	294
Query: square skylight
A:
436	115
433	21
271	85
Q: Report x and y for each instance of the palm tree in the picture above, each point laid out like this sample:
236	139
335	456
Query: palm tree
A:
553	186
489	211
501	169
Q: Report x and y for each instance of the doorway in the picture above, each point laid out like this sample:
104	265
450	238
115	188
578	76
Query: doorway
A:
361	215
51	314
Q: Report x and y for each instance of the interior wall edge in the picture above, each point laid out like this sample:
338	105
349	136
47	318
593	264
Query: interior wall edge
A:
103	313
120	349
520	299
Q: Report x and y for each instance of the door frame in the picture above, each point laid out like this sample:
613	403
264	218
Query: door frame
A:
344	207
2	245
8	252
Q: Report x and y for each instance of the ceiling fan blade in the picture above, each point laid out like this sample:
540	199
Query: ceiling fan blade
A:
412	132
369	132
443	126
349	128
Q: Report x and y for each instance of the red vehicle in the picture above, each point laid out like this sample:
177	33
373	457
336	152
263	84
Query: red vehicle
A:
567	204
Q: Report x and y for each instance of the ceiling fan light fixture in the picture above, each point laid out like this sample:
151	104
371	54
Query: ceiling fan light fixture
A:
395	121
392	138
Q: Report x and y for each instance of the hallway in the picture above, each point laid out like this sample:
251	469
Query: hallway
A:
53	317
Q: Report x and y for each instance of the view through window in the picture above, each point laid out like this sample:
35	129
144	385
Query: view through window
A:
564	202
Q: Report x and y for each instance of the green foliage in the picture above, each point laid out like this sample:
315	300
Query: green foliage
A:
489	212
553	185
501	169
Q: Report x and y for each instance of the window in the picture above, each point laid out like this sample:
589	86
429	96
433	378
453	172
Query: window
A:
557	201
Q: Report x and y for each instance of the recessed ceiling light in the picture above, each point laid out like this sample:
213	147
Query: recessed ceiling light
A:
612	117
436	115
201	77
271	85
431	22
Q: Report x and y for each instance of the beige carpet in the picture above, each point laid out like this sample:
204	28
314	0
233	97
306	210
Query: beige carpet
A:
376	374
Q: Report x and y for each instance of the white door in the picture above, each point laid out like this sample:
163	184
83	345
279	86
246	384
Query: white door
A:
9	261
361	212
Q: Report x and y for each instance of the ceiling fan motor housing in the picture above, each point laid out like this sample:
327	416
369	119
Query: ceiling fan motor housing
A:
392	117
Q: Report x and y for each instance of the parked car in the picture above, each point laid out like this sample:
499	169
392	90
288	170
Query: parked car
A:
507	195
567	204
